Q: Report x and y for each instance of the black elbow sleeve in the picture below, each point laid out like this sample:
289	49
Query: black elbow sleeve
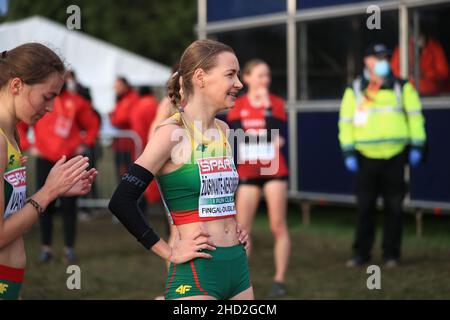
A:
124	204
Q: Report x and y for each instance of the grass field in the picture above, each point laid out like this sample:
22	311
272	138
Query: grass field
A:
115	266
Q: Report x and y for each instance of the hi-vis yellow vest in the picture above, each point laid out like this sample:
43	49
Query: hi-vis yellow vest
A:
380	128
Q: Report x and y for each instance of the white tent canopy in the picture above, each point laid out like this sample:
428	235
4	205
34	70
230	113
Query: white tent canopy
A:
96	62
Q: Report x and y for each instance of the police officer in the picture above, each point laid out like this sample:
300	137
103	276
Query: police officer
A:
381	126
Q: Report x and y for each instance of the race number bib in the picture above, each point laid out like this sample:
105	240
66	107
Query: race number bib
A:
18	180
360	117
263	151
63	125
218	183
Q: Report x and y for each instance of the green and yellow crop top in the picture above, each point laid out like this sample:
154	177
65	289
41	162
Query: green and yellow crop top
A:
202	189
15	181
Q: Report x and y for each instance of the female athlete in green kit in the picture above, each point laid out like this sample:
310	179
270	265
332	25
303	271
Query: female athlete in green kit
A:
31	76
190	157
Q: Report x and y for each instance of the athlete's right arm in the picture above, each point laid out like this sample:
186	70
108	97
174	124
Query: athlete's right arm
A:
61	178
123	203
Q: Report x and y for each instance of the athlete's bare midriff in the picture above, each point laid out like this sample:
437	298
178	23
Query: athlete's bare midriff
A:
222	232
14	255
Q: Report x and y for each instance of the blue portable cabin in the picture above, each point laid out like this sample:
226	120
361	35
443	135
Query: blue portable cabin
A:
315	49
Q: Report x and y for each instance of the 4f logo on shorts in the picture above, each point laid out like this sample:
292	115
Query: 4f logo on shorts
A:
3	288
183	289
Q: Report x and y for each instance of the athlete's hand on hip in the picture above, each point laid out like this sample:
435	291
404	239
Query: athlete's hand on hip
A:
243	236
83	186
187	249
64	175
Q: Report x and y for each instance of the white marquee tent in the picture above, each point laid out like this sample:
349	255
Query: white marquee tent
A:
96	62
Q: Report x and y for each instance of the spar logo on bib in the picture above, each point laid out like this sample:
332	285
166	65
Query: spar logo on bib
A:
18	180
215	165
218	183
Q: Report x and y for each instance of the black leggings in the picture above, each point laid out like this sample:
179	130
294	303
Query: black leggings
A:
67	207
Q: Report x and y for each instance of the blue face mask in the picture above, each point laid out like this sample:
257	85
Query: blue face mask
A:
382	68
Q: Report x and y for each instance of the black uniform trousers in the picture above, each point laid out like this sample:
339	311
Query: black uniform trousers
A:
380	178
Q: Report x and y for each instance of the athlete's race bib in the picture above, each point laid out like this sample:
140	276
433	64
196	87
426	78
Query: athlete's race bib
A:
18	180
219	180
262	151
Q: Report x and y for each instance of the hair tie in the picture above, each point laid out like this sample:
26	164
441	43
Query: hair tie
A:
4	54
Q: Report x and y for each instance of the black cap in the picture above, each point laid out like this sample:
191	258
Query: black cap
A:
377	49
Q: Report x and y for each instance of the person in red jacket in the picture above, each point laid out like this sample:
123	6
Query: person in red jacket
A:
434	69
127	99
261	164
71	128
141	118
143	114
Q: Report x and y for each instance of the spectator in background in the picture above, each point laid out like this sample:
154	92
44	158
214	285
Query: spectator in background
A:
73	85
259	113
381	127
93	152
434	70
127	99
141	118
144	113
69	130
